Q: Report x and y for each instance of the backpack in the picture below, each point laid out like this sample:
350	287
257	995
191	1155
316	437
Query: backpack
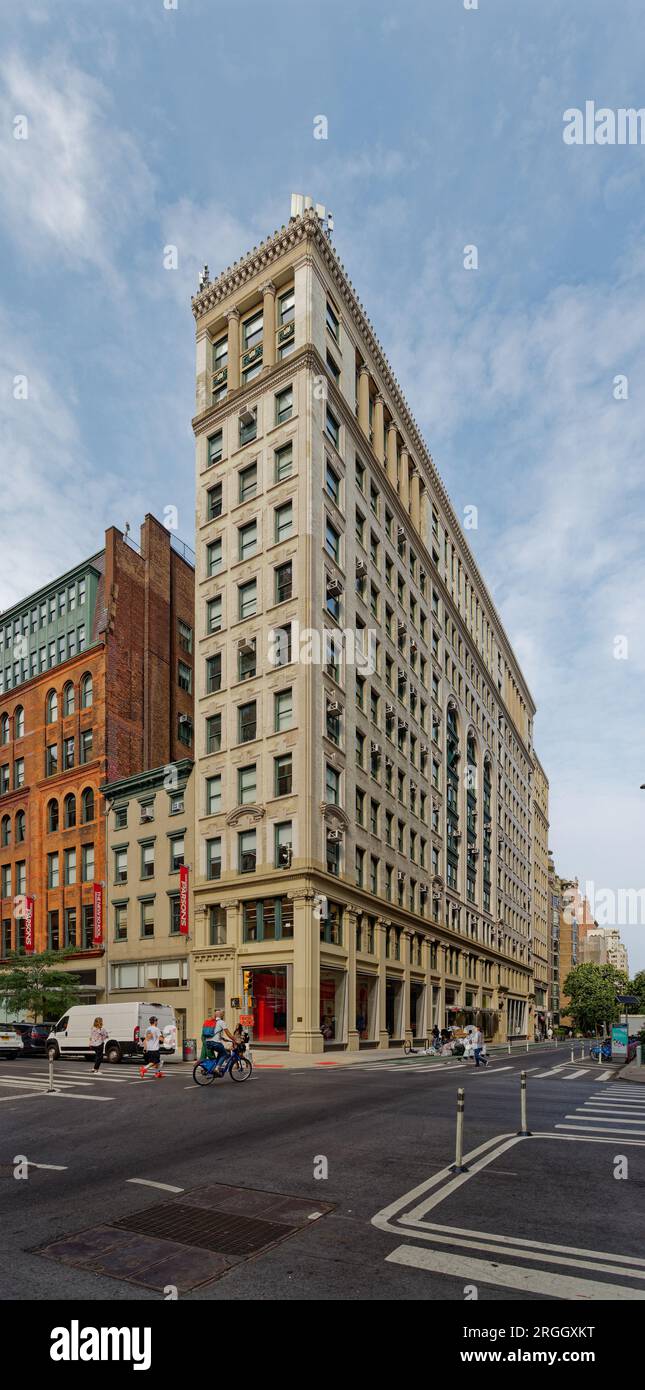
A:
208	1029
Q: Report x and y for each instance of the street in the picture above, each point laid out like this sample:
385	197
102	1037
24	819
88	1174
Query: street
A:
152	1190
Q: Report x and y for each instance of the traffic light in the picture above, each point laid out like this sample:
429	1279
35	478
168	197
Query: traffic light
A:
246	981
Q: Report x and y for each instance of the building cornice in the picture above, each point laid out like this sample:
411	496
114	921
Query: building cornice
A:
307	229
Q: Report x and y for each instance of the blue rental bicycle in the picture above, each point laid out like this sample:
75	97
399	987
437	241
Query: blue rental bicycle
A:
237	1066
601	1050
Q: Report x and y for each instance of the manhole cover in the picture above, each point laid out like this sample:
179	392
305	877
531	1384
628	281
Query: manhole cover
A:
191	1240
209	1230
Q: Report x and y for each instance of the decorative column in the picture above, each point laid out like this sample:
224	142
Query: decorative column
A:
202	382
233	321
424	517
391	453
404	479
305	1035
353	1036
233	910
378	429
415	500
268	324
382	925
407	993
364	400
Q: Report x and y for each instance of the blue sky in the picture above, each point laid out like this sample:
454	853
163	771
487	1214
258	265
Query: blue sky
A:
191	127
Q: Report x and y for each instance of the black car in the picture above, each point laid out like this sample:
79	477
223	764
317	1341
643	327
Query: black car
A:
34	1037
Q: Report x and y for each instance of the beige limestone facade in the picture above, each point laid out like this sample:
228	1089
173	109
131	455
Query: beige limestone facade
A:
363	731
540	898
150	821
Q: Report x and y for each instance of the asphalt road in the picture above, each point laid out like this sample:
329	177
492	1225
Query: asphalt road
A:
553	1216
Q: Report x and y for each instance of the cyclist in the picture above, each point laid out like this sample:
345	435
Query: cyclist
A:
216	1043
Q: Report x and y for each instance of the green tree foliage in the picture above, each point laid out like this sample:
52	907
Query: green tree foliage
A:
34	984
592	991
637	987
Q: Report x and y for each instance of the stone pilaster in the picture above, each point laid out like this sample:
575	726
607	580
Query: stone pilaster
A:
233	321
364	400
305	1033
268	324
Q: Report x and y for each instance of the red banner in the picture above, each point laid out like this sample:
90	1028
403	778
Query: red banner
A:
183	900
97	934
30	943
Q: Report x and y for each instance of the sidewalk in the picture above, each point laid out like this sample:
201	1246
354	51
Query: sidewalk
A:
276	1058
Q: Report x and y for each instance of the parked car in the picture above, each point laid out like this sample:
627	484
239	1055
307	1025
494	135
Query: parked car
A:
126	1023
10	1042
34	1037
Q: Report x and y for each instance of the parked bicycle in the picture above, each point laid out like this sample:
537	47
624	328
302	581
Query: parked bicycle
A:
602	1051
237	1066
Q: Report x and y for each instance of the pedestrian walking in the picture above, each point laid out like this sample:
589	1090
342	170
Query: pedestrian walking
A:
478	1048
152	1049
98	1035
549	1033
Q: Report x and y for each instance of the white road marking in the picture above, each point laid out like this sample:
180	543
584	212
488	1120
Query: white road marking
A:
147	1182
56	1167
581	1128
572	1075
546	1283
552	1070
606	1076
61	1095
605	1117
516	1248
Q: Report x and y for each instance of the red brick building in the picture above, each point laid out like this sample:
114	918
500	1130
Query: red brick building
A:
96	683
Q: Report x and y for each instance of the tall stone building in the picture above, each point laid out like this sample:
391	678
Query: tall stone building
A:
540	896
364	751
96	673
603	946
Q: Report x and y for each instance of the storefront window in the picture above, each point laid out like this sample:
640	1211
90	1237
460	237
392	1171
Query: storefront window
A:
269	993
366	1005
332	999
394	1008
417	1009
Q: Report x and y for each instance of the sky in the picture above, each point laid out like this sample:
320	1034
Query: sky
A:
188	123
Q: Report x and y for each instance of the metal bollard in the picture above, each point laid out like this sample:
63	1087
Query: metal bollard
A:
524	1129
572	1052
51	1087
509	1049
599	1054
527	1044
459	1166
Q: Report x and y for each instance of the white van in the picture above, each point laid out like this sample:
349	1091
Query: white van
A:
126	1024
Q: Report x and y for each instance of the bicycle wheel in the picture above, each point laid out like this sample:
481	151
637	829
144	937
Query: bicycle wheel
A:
407	1047
202	1074
240	1069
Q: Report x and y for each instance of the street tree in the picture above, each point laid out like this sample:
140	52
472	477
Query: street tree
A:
35	984
592	991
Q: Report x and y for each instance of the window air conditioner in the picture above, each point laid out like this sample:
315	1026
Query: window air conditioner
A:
248	415
246	646
334	588
334	707
334	836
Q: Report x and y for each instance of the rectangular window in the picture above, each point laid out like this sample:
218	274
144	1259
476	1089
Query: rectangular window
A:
214	614
87	862
283	582
70	927
184	677
284	405
247	537
214	858
247	599
332	541
120	866
214	502
214	733
283	463
86	746
19	768
176	853
283	775
148	860
148	918
215	448
248	482
249	424
332	785
214	558
332	482
246	851
283	521
69	866
333	322
247	785
213	794
283	710
213	673
51	765
247	722
332	428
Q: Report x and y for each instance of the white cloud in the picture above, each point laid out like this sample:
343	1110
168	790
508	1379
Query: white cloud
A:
74	186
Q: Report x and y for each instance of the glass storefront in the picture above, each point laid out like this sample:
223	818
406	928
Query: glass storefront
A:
332	1000
269	991
394	1008
366	1007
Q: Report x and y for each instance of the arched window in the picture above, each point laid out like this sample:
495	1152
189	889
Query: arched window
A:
69	813
69	699
19	723
21	826
87	805
5	831
4	729
52	815
87	691
52	707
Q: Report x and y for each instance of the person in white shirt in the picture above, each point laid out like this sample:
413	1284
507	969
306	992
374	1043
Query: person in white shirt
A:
151	1047
216	1043
98	1035
478	1048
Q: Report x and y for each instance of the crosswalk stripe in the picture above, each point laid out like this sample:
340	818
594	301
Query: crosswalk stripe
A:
510	1276
552	1071
582	1129
572	1075
605	1117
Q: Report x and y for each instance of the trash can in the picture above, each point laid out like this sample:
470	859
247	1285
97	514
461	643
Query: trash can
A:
190	1050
